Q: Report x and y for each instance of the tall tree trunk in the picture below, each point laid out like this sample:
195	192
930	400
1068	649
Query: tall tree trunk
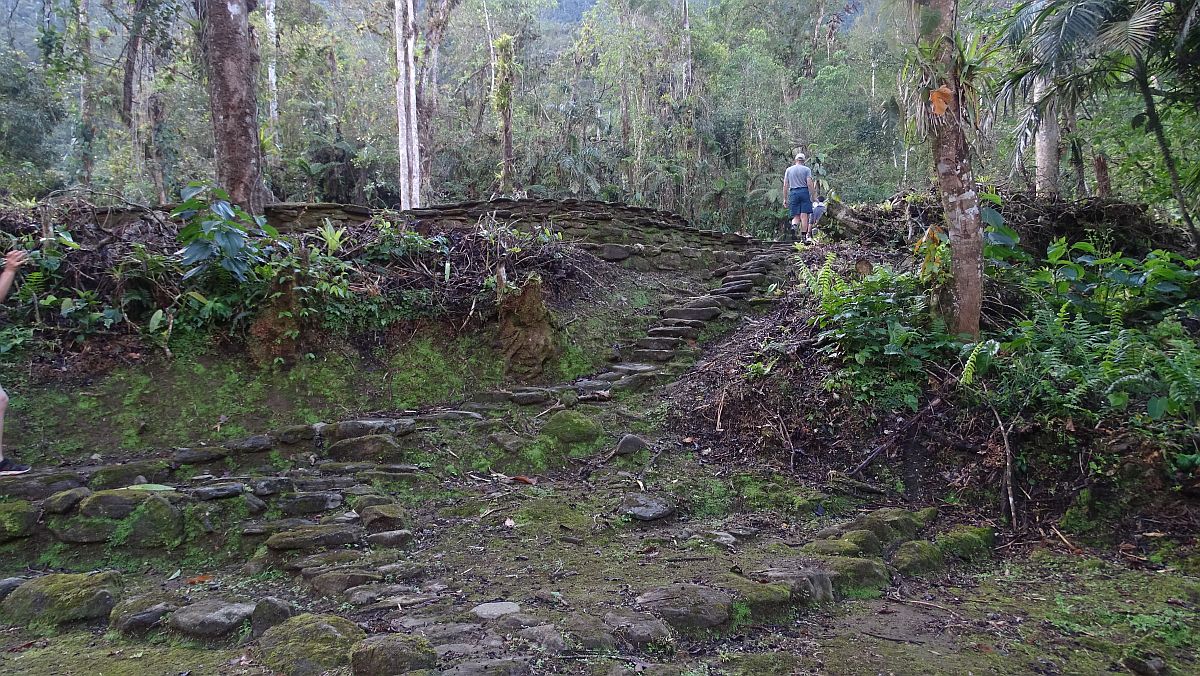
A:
1155	124
687	50
1075	147
87	102
406	104
956	181
1046	141
434	33
502	102
272	79
133	50
1103	184
231	59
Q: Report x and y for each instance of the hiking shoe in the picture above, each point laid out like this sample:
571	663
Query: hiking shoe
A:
9	468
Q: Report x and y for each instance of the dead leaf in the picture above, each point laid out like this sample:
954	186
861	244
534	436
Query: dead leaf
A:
199	579
520	478
689	440
940	98
509	523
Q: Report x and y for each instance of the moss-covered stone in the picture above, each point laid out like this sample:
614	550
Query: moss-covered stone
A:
125	474
926	516
387	654
372	447
61	598
17	518
309	644
968	543
766	601
139	615
155	524
851	573
64	501
840	547
379	518
867	542
572	427
918	557
112	504
78	529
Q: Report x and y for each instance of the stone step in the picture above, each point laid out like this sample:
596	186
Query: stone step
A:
673	332
689	323
631	367
654	355
692	313
659	343
752	277
705	301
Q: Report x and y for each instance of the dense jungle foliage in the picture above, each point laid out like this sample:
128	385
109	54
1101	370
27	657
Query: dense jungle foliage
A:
693	107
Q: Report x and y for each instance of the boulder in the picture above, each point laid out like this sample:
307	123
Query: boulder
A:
390	538
631	444
840	547
112	504
61	598
313	537
211	618
259	443
640	630
155	524
767	601
572	427
139	615
64	501
380	518
866	541
8	584
967	542
585	632
338	581
309	503
271	485
198	456
381	447
269	612
807	585
76	529
917	557
688	606
391	654
309	644
17	518
850	573
646	506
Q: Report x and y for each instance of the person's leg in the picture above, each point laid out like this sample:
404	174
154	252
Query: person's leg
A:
3	408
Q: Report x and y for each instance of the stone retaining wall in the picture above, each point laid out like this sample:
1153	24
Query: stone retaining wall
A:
637	237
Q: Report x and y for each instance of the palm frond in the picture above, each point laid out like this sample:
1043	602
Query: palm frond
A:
1132	35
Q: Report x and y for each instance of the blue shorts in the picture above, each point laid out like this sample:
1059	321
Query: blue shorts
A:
799	201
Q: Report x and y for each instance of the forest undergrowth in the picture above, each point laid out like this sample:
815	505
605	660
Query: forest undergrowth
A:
1072	414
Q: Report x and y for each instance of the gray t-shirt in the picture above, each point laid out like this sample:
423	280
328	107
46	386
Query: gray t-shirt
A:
797	176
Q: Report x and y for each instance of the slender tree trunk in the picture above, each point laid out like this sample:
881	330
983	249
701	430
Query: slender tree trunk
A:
231	59
956	183
1046	142
1155	124
87	102
687	50
502	103
434	33
272	79
1075	148
406	105
133	50
1103	184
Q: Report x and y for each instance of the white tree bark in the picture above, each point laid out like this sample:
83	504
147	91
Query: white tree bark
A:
406	104
1045	143
272	76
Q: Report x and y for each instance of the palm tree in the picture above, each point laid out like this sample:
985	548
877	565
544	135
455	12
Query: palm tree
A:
1083	48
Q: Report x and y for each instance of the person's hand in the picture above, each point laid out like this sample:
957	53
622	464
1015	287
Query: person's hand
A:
15	259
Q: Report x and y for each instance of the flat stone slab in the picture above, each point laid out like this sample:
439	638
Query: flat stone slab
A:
211	618
646	507
314	537
701	314
496	609
655	355
688	606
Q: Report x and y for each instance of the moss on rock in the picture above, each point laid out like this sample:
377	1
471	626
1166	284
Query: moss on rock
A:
572	427
61	598
968	543
866	541
309	644
17	518
766	601
125	474
854	573
917	557
841	547
387	654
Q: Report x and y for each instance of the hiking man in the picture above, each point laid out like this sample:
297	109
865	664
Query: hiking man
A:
798	189
12	261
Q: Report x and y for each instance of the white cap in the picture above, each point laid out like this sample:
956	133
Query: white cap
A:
799	157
